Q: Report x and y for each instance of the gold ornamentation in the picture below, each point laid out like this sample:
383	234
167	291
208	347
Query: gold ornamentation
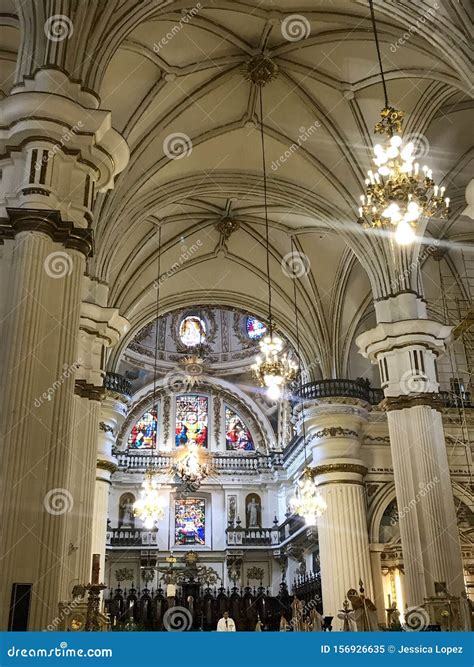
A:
260	70
339	467
107	465
432	400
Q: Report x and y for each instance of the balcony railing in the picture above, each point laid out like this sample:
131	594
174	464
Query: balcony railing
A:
131	537
344	388
220	463
116	382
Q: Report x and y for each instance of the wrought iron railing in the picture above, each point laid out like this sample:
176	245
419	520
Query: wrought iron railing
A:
131	537
116	382
330	388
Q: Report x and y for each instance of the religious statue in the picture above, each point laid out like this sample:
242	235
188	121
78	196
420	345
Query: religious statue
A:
126	515
284	625
393	617
296	614
316	621
364	610
347	618
252	513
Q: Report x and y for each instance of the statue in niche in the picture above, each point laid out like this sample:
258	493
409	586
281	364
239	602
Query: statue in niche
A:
126	515
253	510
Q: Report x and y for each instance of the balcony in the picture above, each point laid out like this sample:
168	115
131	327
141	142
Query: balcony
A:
220	463
117	383
131	537
359	389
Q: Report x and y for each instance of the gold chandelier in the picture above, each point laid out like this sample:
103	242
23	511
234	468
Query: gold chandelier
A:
307	501
189	468
398	192
150	506
272	368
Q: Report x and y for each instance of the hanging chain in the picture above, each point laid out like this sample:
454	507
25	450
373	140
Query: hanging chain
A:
270	322
298	352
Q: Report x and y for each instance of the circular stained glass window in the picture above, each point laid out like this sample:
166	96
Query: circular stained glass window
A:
192	331
255	328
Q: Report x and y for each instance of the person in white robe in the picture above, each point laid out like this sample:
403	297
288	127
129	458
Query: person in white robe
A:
226	624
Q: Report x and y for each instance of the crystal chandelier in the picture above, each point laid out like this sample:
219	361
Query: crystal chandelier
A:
272	369
150	506
398	192
190	470
307	501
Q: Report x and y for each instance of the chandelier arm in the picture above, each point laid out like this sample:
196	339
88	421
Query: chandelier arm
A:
379	56
267	235
298	351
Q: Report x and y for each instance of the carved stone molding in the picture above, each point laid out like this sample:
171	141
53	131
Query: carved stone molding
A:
105	427
107	465
46	222
403	402
339	467
335	432
89	391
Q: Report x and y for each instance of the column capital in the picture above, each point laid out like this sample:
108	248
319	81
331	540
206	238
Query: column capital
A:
46	222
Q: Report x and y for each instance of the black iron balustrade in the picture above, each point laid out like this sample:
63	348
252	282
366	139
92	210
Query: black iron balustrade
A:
131	537
329	388
118	383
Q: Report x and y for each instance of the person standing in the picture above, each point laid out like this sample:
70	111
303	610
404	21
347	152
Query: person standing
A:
226	624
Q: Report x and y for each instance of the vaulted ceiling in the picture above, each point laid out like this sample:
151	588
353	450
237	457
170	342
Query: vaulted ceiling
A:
173	82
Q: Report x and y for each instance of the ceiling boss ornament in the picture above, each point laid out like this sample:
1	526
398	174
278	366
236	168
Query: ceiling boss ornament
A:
272	369
399	193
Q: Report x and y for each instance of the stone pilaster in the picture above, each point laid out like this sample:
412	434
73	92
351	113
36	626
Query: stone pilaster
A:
334	428
405	345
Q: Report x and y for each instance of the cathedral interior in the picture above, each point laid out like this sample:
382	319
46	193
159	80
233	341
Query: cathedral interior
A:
236	315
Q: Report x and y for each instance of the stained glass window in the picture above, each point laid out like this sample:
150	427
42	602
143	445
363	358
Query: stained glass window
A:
255	328
192	330
143	434
190	521
191	420
237	434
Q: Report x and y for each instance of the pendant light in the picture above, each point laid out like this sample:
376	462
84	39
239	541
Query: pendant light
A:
398	192
149	507
272	368
307	500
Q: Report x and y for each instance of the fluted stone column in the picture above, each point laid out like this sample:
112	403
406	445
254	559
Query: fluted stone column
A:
57	153
334	428
405	345
377	577
113	412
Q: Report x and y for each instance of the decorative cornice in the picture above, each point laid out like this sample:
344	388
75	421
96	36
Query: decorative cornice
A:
46	222
89	391
107	465
335	432
339	467
411	401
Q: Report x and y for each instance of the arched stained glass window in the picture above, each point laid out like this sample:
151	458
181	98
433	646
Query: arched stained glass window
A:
255	328
191	420
237	433
192	331
143	434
